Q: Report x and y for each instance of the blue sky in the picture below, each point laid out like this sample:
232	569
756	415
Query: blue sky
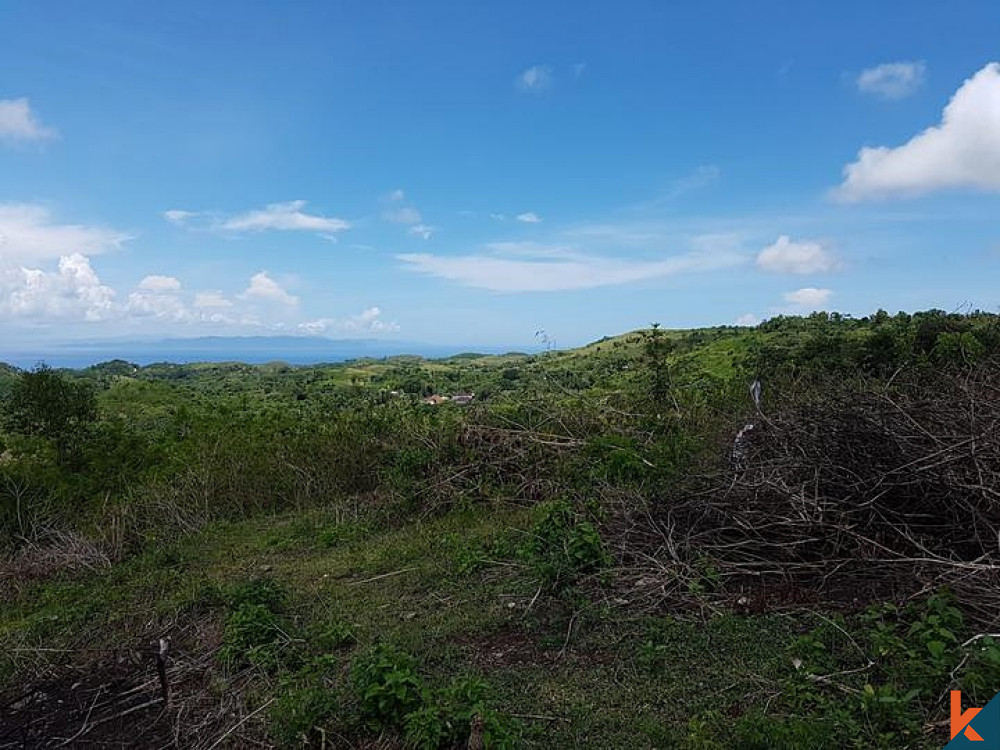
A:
474	172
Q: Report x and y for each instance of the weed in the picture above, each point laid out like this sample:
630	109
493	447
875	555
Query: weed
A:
263	591
336	635
299	714
252	635
386	682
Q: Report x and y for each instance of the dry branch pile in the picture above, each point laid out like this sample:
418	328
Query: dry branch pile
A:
846	492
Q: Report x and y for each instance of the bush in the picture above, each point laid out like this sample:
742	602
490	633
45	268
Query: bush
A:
45	403
562	546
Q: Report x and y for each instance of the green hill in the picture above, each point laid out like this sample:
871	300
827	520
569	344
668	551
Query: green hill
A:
580	553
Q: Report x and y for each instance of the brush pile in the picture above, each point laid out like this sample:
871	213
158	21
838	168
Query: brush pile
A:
848	491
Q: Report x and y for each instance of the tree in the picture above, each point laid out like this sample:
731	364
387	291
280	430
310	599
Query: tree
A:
656	349
46	404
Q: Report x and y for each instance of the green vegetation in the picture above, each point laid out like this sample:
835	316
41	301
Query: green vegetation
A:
580	557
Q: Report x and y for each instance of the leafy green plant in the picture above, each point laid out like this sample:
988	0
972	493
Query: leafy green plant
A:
386	682
300	713
263	591
336	635
427	728
562	546
252	635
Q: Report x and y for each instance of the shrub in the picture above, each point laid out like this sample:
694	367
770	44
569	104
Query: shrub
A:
562	546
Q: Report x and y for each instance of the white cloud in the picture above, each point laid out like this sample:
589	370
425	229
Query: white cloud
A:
702	177
160	305
536	78
19	123
158	297
809	296
529	217
892	80
177	216
404	215
396	195
160	284
284	216
542	269
962	151
72	292
28	234
370	320
211	301
747	319
265	289
421	230
367	321
785	256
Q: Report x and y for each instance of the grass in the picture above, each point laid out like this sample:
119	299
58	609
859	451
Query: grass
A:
589	678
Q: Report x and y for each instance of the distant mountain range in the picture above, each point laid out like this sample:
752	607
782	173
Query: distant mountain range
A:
297	350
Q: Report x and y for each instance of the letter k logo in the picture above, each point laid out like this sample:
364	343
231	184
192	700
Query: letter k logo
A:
960	721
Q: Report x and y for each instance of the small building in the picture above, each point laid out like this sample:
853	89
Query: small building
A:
463	399
434	400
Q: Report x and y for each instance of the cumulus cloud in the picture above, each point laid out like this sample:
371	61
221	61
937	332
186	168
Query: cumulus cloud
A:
265	289
747	319
286	217
368	321
28	234
211	301
531	268
160	284
19	123
809	297
72	291
529	217
536	78
786	256
892	80
963	151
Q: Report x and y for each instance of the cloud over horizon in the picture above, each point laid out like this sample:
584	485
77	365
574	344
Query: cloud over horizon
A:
265	289
809	297
511	267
